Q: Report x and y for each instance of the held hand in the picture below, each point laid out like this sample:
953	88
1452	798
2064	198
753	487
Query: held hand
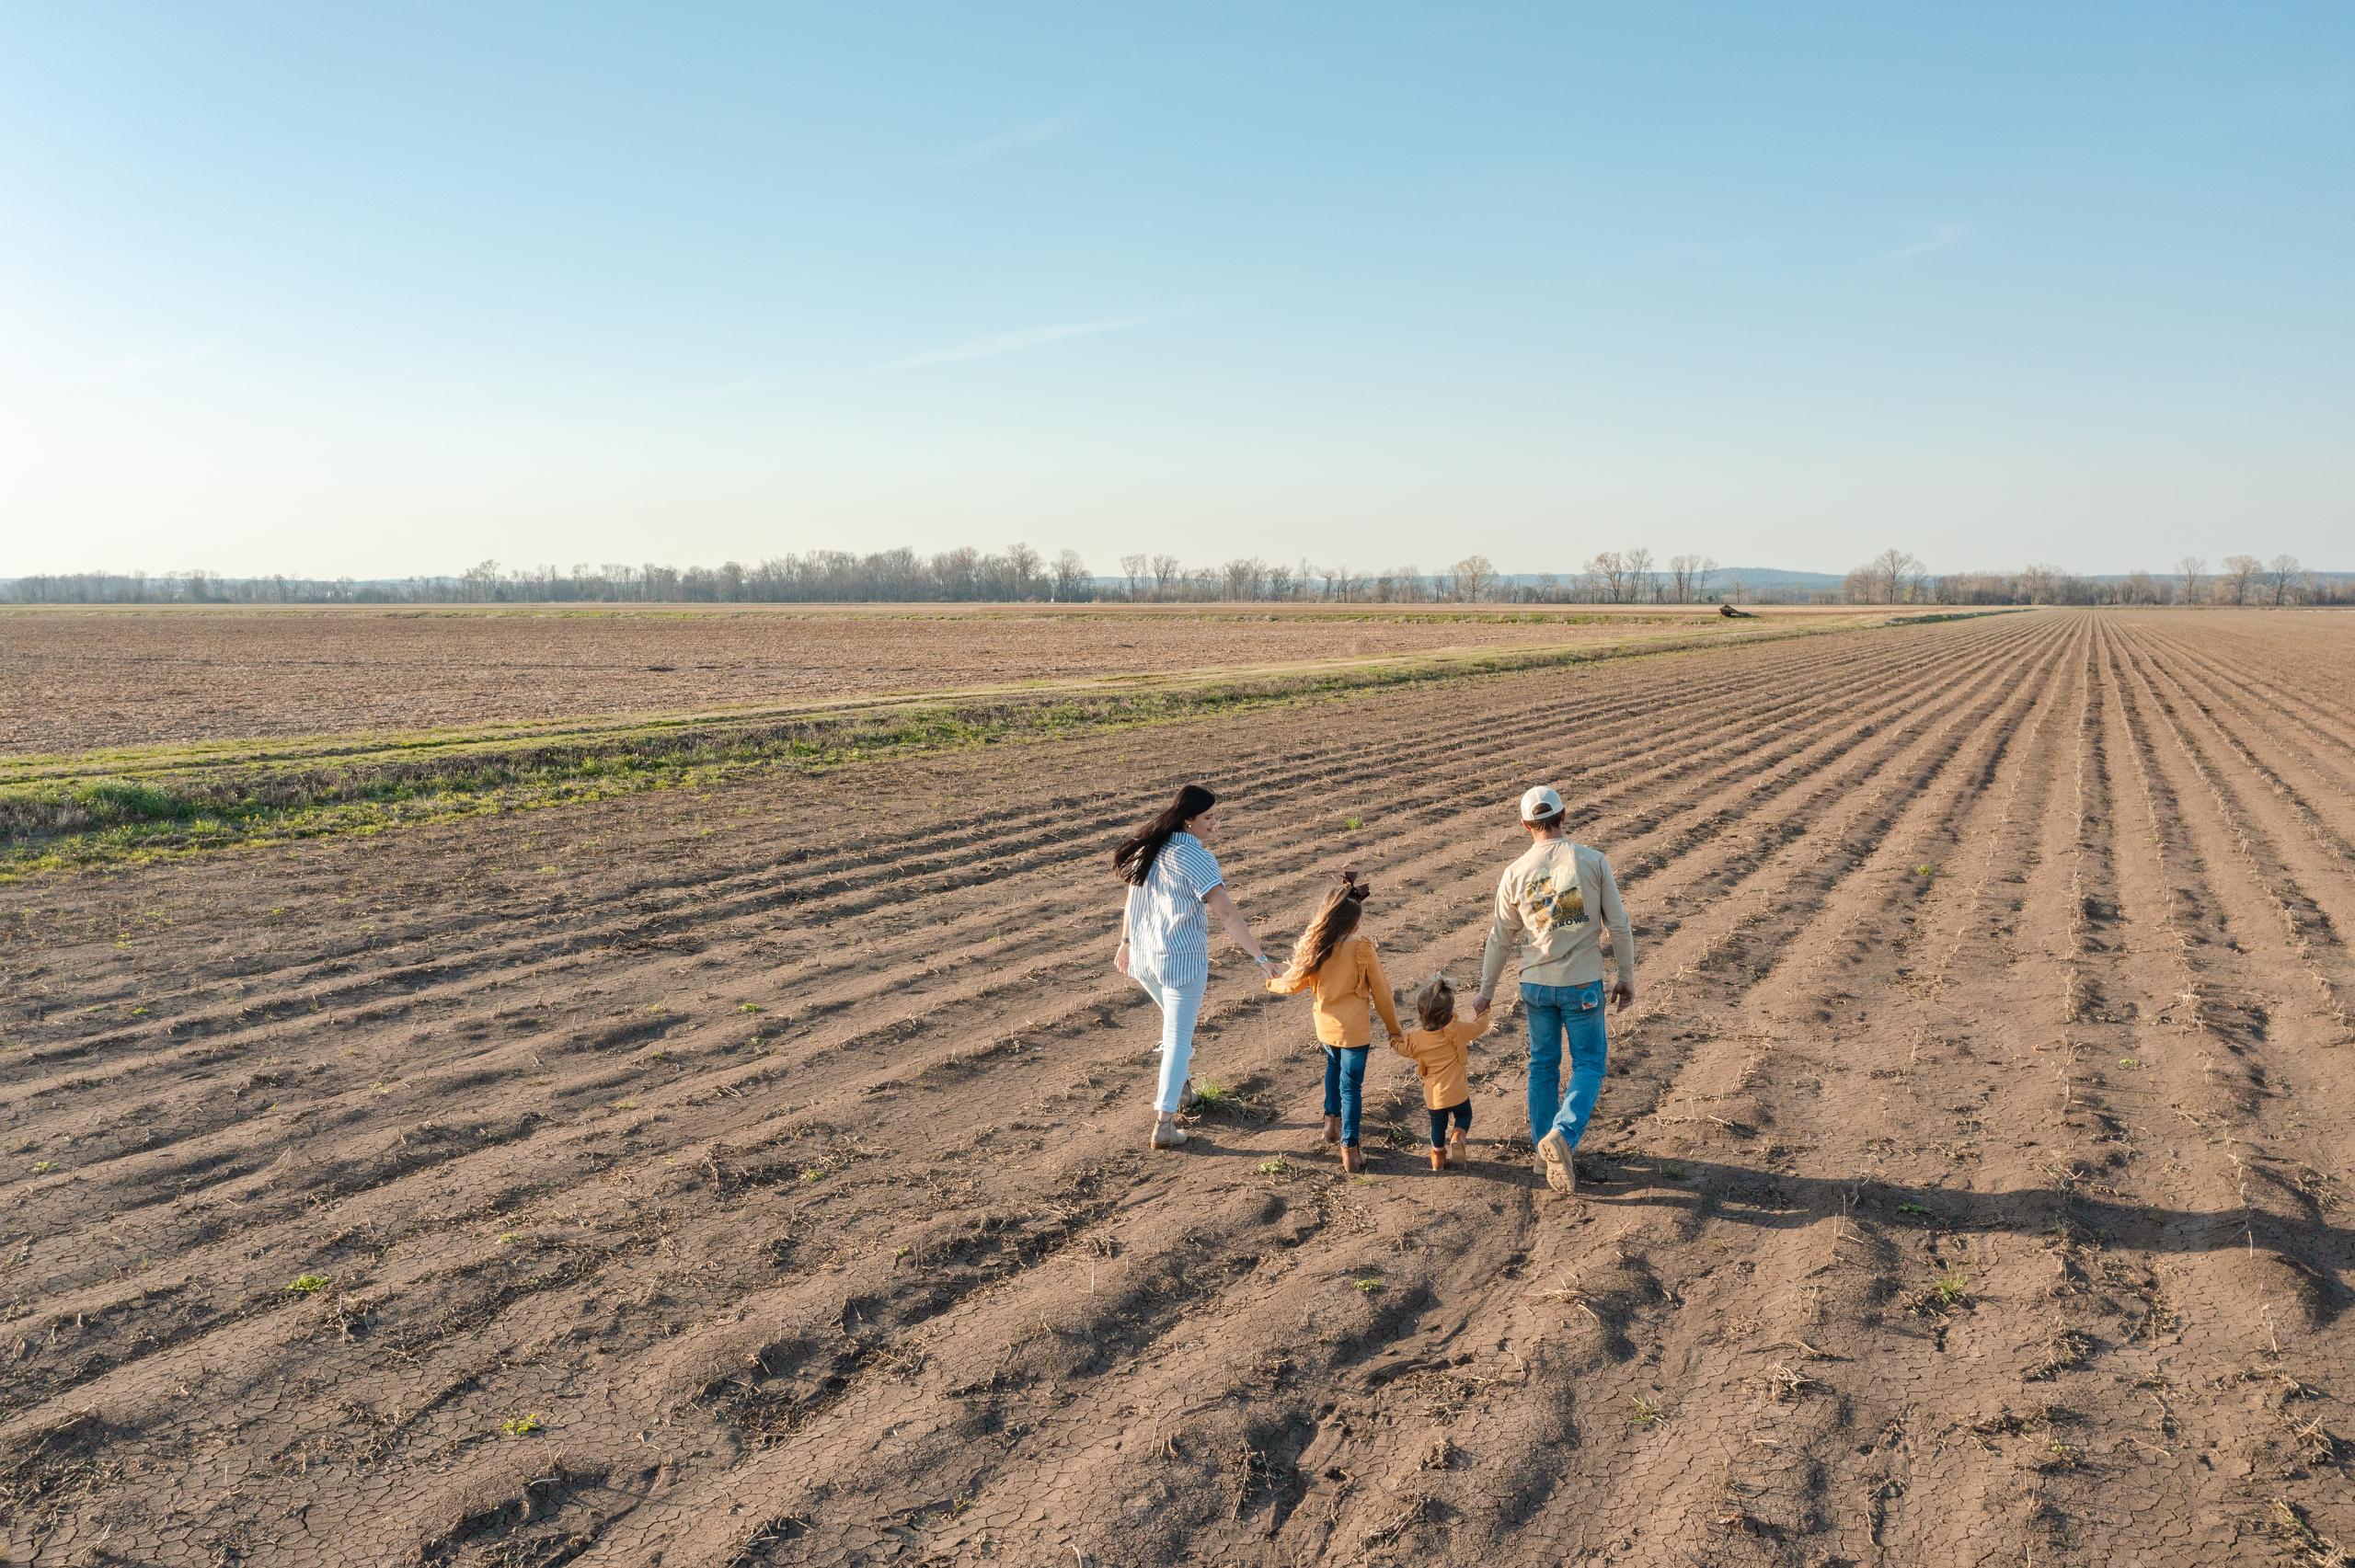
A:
1480	1004
1622	996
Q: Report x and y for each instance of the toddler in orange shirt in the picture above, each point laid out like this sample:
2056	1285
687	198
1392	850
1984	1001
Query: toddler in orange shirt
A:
1439	1050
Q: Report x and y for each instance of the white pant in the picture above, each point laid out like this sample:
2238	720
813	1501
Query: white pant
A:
1180	1005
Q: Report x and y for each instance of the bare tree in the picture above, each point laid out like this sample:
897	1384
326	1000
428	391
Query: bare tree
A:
1165	575
1640	575
1702	572
2281	575
1680	576
1475	578
2241	573
1132	573
2194	572
1607	571
1886	575
1022	568
1071	576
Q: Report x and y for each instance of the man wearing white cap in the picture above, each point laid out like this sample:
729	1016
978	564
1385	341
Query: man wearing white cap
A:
1547	903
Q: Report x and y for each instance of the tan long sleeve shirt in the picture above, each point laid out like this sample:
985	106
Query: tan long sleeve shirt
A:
1547	905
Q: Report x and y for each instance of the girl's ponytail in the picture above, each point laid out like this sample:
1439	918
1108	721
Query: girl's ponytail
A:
1335	920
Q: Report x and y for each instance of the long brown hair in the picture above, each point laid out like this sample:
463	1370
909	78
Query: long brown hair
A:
1133	860
1335	920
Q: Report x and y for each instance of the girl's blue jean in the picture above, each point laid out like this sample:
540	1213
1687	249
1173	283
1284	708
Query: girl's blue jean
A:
1345	1088
1180	1007
1559	1014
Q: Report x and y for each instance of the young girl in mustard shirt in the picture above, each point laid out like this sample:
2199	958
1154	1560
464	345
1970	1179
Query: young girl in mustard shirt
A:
1338	968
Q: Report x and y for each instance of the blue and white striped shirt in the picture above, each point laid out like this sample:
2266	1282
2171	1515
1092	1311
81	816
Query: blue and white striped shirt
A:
1170	931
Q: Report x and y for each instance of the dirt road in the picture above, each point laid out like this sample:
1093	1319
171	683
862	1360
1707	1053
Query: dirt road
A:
756	1177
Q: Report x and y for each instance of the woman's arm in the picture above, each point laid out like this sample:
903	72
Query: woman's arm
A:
1218	901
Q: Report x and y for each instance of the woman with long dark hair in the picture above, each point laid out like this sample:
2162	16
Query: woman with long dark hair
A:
1175	886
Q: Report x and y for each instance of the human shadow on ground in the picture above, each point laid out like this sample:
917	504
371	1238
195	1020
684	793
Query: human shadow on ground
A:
2318	1252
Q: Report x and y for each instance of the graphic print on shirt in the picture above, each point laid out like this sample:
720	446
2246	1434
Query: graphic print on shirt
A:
1543	908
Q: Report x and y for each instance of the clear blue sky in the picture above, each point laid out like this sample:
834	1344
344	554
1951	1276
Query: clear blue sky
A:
382	288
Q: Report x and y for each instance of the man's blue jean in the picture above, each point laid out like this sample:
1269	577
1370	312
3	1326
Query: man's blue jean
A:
1345	1088
1557	1013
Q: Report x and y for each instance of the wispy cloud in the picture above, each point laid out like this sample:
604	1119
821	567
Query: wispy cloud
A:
139	367
999	343
1036	134
989	348
1942	237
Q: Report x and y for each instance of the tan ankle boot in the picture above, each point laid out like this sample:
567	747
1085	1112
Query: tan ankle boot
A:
1439	1158
1332	1129
1167	1134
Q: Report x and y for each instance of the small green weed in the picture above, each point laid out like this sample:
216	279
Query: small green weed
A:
1209	1097
1273	1168
1951	1289
1366	1286
625	1104
521	1427
306	1284
1644	1410
1912	1209
748	1007
813	1172
1353	823
44	1167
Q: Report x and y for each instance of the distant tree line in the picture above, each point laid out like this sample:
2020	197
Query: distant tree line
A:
1894	576
1020	573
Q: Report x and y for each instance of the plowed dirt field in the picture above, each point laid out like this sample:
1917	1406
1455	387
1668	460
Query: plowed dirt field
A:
756	1175
76	679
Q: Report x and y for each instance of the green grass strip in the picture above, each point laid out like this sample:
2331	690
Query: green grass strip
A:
154	803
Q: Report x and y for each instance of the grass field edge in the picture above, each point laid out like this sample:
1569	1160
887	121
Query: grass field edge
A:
96	819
